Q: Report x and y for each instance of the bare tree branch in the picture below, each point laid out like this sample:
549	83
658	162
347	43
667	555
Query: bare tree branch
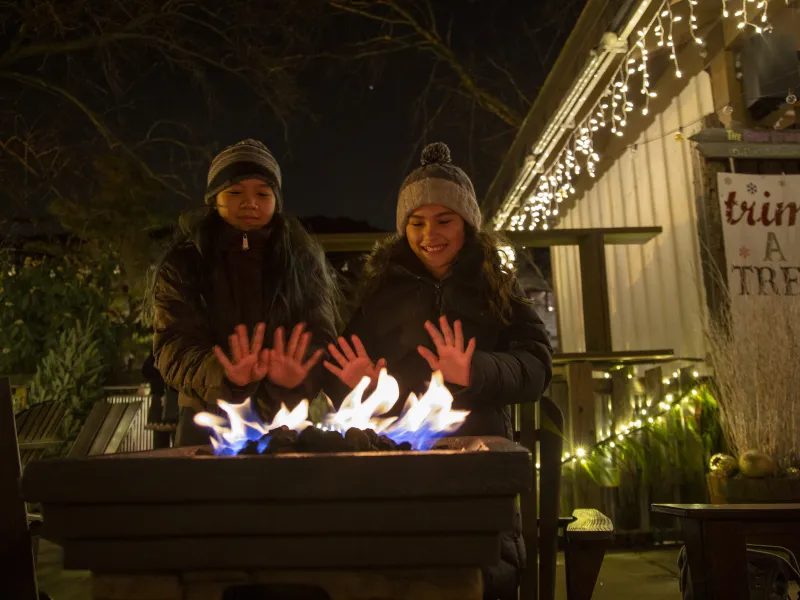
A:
393	13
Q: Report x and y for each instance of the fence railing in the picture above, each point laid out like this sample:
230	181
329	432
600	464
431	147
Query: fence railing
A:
599	400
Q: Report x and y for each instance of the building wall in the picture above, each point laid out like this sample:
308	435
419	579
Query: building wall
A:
657	299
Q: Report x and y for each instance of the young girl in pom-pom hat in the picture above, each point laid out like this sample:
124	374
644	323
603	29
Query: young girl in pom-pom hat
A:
436	298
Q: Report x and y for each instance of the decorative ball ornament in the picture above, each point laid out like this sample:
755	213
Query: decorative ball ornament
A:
436	154
756	464
723	465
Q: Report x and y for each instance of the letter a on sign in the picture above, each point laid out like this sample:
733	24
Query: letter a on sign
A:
772	247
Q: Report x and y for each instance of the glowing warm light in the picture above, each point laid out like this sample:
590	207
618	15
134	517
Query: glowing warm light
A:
421	423
580	452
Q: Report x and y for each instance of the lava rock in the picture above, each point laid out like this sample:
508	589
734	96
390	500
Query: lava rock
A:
283	441
357	440
311	440
385	444
372	436
250	448
334	442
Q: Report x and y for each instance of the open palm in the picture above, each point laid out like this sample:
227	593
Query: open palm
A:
248	363
353	365
451	358
287	367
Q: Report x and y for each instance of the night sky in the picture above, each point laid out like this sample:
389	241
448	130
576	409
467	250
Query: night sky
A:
350	160
354	136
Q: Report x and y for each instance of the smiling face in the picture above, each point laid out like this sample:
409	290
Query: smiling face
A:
436	235
247	205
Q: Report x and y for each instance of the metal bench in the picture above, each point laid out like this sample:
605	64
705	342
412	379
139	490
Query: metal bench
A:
26	437
38	430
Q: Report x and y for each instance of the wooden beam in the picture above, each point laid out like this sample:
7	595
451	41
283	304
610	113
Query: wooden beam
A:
364	242
614	358
727	90
594	286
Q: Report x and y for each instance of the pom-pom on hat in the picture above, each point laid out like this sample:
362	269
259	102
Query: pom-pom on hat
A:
248	159
437	181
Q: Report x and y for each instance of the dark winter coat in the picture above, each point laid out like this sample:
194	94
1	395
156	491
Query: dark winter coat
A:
512	363
208	284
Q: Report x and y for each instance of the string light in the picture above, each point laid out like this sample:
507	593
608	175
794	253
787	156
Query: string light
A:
612	110
642	420
557	182
693	23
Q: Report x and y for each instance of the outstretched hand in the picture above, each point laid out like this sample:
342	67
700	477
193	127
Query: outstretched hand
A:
453	360
353	365
286	365
249	362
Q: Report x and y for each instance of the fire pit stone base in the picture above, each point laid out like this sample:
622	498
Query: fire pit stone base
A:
422	584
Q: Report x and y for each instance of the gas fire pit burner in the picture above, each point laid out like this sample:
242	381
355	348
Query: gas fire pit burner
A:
359	505
180	509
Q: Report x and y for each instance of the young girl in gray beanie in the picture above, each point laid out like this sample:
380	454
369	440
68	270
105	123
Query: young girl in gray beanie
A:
436	298
244	278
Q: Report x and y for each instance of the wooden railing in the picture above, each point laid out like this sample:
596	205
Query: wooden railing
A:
591	244
597	394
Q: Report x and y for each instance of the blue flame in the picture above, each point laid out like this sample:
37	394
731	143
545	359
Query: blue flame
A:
424	438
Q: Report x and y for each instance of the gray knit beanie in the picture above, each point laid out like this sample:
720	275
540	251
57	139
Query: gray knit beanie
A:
437	181
248	159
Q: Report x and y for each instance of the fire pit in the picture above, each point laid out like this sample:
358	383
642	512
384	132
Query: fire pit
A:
182	511
191	524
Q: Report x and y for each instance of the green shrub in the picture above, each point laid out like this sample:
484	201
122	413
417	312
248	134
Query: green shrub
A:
71	373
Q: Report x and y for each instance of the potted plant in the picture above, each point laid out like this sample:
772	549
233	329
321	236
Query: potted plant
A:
754	350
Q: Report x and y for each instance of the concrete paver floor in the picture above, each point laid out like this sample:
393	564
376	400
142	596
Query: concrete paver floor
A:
651	574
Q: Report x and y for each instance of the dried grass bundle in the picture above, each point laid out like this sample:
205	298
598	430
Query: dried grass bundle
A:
755	355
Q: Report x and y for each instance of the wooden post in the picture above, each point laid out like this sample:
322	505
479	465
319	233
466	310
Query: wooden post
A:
16	552
654	386
621	403
582	428
528	505
582	431
594	285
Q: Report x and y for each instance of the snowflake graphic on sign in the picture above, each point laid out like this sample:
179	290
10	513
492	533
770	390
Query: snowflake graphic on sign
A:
752	188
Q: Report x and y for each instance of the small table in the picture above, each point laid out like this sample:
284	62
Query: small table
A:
715	538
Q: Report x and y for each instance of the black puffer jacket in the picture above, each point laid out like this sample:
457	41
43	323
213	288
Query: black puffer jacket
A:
208	284
512	363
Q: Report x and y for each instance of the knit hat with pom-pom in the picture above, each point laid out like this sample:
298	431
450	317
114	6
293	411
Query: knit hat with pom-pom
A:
437	181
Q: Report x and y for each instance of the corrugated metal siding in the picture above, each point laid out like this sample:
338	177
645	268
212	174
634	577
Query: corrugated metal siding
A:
137	438
656	291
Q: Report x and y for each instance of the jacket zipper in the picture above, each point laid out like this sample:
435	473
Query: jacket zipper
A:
245	243
437	286
439	297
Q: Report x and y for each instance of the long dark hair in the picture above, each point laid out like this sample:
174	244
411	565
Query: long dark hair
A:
305	290
500	287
